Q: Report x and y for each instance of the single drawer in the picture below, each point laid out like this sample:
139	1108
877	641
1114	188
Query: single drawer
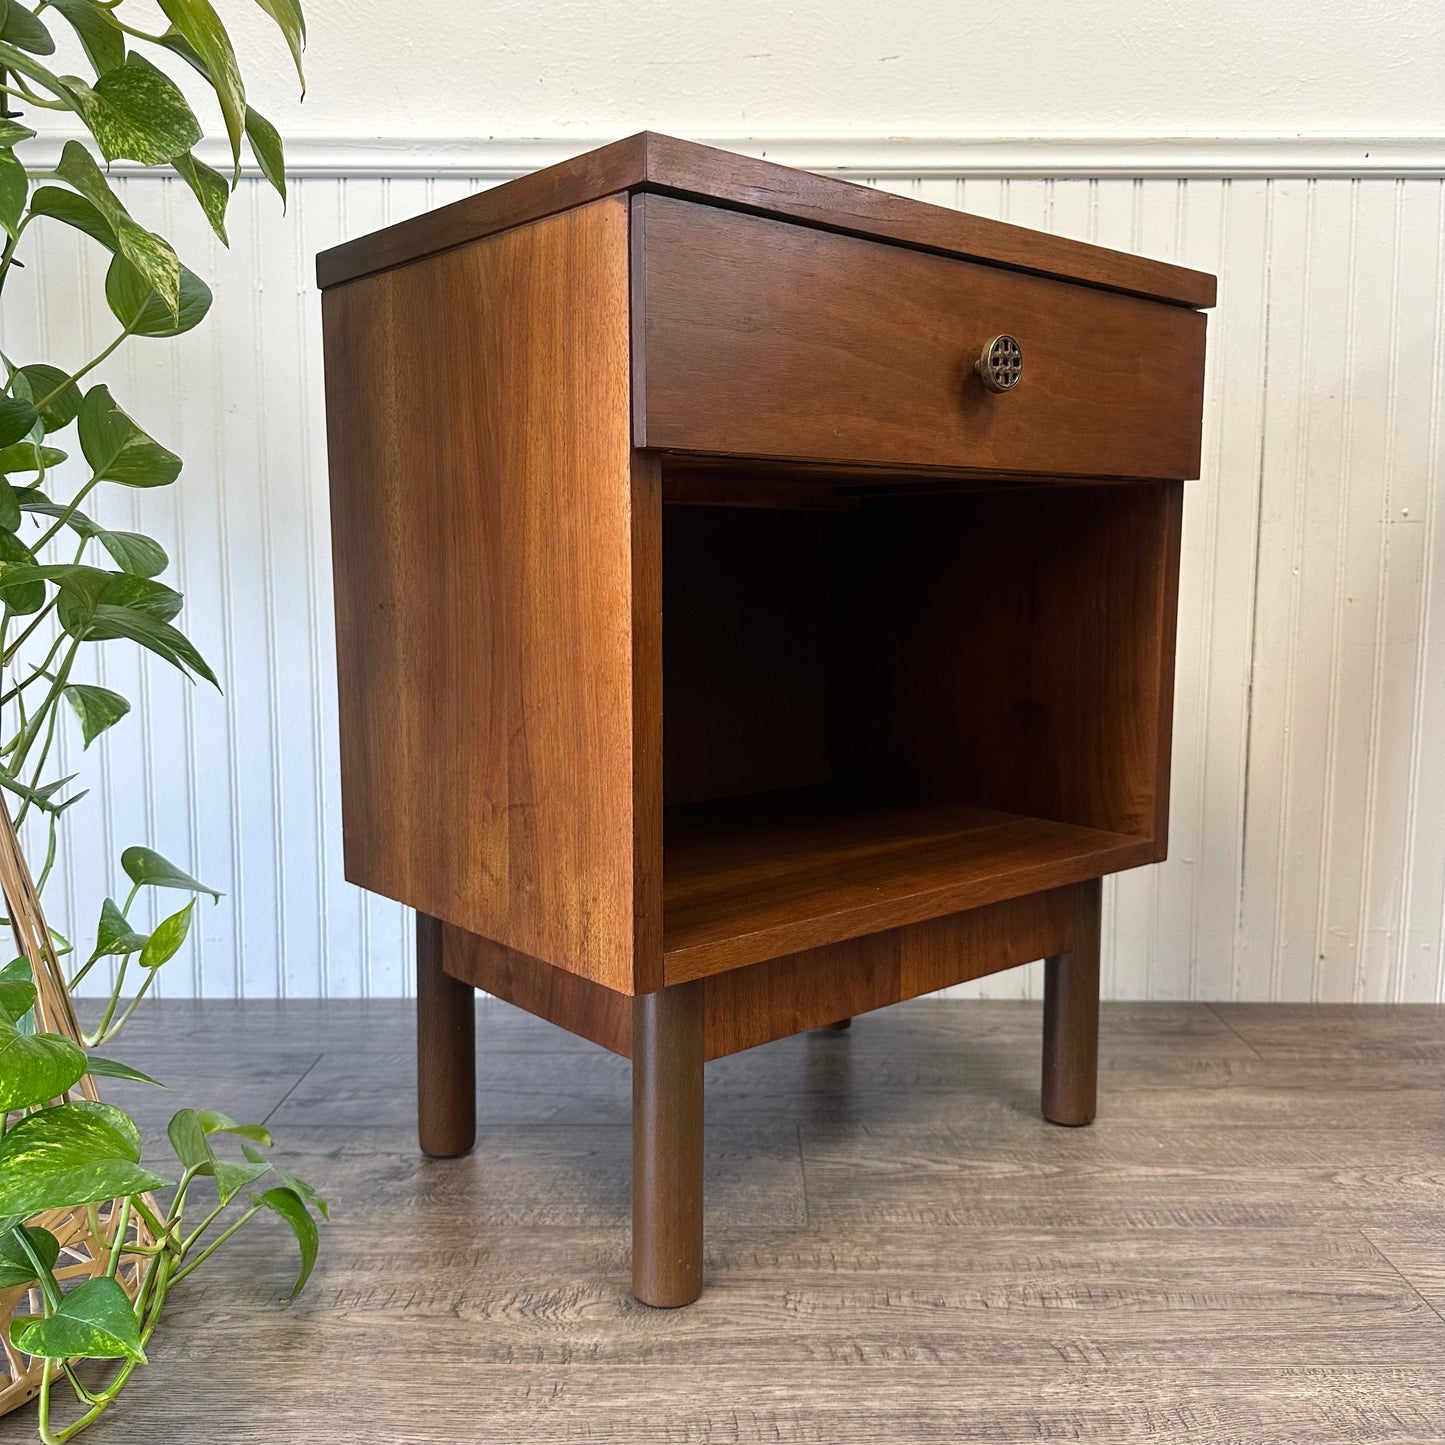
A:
756	337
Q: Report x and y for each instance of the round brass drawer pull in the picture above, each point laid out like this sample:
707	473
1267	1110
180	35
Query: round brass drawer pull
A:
1001	363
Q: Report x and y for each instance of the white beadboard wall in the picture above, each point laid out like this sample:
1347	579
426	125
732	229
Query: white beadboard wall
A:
1308	838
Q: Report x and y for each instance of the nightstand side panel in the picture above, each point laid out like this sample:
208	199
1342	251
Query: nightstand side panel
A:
483	539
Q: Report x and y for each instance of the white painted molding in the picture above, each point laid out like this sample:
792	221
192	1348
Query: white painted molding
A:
1142	157
945	156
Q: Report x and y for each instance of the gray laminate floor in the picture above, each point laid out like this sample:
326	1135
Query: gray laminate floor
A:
1249	1244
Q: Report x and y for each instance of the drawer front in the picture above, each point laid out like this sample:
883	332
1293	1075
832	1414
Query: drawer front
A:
755	337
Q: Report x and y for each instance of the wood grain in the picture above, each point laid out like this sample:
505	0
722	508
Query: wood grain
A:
755	337
1015	649
1071	1018
590	1010
783	996
486	581
779	997
1259	1271
746	651
446	1051
667	1145
652	162
755	878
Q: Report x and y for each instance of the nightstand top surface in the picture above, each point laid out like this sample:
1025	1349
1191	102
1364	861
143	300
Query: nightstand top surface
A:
658	163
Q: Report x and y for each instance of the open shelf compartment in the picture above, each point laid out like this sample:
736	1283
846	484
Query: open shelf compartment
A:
882	707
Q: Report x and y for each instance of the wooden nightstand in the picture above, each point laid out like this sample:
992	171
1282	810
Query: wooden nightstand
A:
755	605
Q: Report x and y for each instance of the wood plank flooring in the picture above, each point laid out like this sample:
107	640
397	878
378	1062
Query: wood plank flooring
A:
1248	1245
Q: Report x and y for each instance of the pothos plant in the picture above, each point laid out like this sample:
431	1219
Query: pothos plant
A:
69	583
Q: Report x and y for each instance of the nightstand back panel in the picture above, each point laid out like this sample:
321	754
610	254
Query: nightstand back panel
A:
482	485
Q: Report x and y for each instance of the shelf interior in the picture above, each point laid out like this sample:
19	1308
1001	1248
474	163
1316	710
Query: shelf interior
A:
748	879
880	710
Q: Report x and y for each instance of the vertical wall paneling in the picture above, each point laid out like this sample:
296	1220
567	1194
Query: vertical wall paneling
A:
1308	833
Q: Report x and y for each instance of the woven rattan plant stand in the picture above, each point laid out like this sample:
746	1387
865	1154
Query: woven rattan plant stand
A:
85	1237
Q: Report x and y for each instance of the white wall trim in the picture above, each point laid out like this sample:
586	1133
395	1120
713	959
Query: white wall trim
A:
933	156
1143	157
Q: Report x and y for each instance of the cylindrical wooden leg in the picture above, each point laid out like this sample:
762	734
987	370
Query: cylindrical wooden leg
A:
446	1050
667	1057
1071	1017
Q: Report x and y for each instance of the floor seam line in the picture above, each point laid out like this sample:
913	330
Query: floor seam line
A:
306	1074
1408	1283
1231	1028
803	1172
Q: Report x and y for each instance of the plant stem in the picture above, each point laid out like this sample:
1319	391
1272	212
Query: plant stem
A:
30	98
216	1243
50	845
50	713
157	1224
91	1040
117	1244
30	627
44	1278
88	367
131	1007
201	1228
40	670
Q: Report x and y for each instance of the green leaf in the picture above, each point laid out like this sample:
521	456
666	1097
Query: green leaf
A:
150	254
17	562
98	708
70	1155
112	1069
95	606
74	211
60	395
165	942
202	28
210	189
77	168
17	997
214	1122
12	132
15	1266
287	14
95	1321
231	1178
143	312
42	798
18	971
101	38
83	582
189	1141
136	112
24	30
27	456
117	449
158	637
293	1181
139	594
137	554
289	1205
147	867
14	187
266	146
9	503
32	499
17	419
35	1068
114	937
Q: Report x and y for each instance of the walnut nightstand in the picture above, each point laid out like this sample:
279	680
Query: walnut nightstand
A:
755	605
